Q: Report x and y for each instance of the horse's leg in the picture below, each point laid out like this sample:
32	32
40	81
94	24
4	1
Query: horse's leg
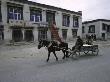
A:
67	54
48	56
64	54
55	56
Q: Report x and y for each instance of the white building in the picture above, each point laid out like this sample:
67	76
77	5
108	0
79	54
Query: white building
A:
23	20
99	27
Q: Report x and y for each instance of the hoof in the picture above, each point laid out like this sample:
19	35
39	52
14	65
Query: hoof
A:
47	60
63	58
57	59
67	56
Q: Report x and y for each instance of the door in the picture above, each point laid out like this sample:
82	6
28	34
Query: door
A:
103	36
64	34
42	34
17	35
29	35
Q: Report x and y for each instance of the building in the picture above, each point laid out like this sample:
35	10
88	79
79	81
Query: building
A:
99	27
23	20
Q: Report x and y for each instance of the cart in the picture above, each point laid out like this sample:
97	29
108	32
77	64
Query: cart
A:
85	50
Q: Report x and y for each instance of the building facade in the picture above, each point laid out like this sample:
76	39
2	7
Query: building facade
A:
98	27
23	20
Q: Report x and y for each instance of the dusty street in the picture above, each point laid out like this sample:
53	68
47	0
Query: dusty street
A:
28	64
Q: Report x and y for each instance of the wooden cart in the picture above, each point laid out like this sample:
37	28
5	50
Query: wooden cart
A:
85	49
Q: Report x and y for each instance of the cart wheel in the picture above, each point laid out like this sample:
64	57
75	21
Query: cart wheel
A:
75	55
96	52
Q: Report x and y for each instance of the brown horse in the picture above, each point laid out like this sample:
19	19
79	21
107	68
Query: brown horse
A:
53	46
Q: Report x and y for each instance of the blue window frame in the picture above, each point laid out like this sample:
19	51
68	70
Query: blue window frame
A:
32	17
15	16
104	26
91	29
0	14
15	13
11	16
35	15
75	21
66	20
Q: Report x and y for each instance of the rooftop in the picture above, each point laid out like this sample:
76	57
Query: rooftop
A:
106	20
47	6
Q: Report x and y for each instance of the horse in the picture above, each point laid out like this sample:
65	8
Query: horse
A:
53	46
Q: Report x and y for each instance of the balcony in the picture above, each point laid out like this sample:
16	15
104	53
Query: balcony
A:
22	23
36	24
13	22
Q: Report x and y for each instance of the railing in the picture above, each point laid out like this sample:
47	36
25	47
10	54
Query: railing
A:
13	22
23	23
36	24
41	24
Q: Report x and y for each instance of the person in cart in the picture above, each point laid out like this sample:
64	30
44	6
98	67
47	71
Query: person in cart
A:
89	40
78	44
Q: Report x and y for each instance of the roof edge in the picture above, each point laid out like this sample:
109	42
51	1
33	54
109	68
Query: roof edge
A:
96	20
48	6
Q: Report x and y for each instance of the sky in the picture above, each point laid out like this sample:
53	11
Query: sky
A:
91	9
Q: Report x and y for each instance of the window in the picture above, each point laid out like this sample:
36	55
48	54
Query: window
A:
75	21
42	34
35	15
91	29
83	29
108	28
64	33
74	33
104	26
1	32
50	16
66	20
0	14
15	13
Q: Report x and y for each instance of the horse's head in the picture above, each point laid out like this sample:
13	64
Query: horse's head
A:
40	44
43	43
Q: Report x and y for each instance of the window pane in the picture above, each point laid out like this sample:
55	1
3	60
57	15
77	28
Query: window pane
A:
83	29
10	9
68	21
10	15
32	18
91	29
74	32
37	15
37	19
15	16
15	10
19	16
75	22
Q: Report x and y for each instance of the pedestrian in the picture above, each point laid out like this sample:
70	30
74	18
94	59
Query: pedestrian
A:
89	40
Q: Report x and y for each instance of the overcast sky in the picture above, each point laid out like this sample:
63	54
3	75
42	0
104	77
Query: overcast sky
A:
91	9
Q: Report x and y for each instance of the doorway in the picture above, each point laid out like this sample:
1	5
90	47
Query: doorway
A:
64	33
42	34
103	36
29	35
17	34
